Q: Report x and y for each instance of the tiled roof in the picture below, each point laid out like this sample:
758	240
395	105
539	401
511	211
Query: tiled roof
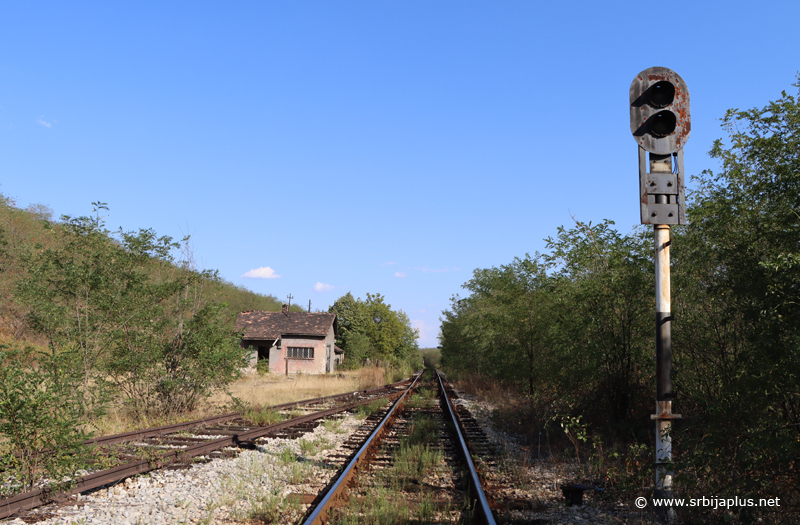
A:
257	324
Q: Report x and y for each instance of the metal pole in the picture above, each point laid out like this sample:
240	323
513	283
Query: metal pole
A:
664	395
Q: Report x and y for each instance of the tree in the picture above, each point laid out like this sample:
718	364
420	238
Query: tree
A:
510	306
351	320
744	289
186	367
88	292
408	348
605	284
130	313
371	329
384	330
571	328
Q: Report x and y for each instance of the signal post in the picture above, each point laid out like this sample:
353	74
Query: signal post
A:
660	124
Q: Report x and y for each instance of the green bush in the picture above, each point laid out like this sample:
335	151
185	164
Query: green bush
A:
173	376
40	417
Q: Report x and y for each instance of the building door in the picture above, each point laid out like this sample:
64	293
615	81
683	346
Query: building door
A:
328	359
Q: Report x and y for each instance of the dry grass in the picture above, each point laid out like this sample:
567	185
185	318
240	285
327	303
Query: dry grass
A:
119	420
486	389
255	390
371	376
274	389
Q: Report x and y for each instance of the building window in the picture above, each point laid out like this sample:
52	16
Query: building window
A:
299	352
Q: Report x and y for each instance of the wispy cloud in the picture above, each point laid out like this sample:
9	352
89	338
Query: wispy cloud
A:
322	287
265	272
43	122
427	334
400	274
388	263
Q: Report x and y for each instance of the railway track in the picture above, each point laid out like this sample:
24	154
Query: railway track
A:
408	462
137	452
415	466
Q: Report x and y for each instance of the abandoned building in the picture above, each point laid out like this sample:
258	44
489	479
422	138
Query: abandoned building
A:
292	341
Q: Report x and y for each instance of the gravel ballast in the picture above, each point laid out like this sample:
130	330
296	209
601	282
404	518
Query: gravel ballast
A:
220	491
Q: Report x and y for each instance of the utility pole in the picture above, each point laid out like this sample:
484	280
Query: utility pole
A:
286	349
660	124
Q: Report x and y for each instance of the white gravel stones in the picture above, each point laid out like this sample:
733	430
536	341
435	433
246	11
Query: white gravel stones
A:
221	491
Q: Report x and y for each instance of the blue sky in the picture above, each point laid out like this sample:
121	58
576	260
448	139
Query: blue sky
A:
382	147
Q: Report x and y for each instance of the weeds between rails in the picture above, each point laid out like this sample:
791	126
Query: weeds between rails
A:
411	487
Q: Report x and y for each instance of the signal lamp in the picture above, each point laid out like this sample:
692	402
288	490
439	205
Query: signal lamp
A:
663	123
662	94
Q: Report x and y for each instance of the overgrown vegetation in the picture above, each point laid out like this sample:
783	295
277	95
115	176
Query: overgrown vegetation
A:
423	398
572	329
431	357
264	416
130	314
39	411
333	424
367	409
313	447
90	318
33	229
381	507
418	454
382	500
370	331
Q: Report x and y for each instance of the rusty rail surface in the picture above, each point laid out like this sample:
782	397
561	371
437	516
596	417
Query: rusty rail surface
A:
178	427
38	497
483	511
338	491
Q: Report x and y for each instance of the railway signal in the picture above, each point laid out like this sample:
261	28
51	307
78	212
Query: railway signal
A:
660	124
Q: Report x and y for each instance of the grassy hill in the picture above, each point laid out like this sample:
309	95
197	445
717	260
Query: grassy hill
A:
26	231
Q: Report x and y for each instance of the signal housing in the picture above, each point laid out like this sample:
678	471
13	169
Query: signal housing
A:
659	110
660	124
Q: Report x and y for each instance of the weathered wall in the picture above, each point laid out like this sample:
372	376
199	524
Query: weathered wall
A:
277	356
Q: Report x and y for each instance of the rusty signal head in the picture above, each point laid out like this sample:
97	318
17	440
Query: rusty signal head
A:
659	107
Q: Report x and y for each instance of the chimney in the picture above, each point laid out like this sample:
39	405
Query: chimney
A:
285	308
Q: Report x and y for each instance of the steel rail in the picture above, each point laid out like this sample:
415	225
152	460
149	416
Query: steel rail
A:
38	497
134	435
320	514
483	510
177	427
